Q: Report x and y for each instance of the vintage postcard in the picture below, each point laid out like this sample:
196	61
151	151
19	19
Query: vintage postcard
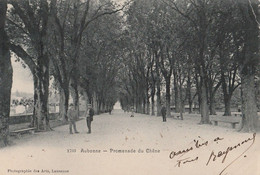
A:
129	87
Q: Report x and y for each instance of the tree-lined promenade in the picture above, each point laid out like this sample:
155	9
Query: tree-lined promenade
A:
143	53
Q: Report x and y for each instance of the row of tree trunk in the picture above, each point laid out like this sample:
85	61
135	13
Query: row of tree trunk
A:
6	74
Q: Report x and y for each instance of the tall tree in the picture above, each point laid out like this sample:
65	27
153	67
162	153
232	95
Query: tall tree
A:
249	11
32	21
226	37
6	76
91	11
199	14
58	51
100	52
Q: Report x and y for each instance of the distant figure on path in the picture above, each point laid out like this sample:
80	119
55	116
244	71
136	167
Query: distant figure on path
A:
132	112
110	110
90	114
163	111
72	116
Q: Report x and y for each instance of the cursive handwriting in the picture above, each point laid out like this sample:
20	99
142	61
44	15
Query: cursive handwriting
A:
197	145
217	139
224	154
186	160
173	153
254	135
214	155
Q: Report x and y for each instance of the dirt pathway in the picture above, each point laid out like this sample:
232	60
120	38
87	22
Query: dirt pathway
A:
142	145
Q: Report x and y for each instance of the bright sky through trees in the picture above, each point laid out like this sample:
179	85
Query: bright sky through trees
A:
22	78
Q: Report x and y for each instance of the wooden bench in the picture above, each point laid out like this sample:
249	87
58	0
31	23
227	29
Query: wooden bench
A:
178	117
19	132
233	123
237	113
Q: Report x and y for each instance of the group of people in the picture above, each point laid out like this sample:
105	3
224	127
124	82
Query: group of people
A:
72	116
163	112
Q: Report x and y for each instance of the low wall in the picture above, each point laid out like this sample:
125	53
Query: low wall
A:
25	118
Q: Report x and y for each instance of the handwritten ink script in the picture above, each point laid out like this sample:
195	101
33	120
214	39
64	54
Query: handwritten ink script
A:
214	155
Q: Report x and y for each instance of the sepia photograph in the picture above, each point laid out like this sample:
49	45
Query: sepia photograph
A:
129	87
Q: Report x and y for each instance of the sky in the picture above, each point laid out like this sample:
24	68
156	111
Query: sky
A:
22	78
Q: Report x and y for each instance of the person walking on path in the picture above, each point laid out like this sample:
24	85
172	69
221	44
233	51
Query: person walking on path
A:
90	114
72	116
132	112
163	111
110	110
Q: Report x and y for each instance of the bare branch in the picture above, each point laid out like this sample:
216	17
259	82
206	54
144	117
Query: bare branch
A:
17	25
22	15
20	52
250	4
30	13
176	8
83	19
105	13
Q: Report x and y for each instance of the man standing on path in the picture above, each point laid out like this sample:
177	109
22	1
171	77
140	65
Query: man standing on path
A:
90	114
110	110
163	111
72	116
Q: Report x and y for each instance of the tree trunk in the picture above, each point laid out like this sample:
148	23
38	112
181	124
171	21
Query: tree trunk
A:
227	102
158	100
95	103
158	87
188	92
153	91
227	97
176	93
86	97
62	110
249	109
249	63
212	106
201	64
75	93
144	106
152	99
103	106
182	106
204	103
198	92
64	103
6	77
168	96
136	103
42	90
147	105
147	98
139	105
34	119
99	107
190	107
199	103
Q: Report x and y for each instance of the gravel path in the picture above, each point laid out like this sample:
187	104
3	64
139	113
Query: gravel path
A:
142	145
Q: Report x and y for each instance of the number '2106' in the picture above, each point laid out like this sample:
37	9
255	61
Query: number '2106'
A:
71	150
